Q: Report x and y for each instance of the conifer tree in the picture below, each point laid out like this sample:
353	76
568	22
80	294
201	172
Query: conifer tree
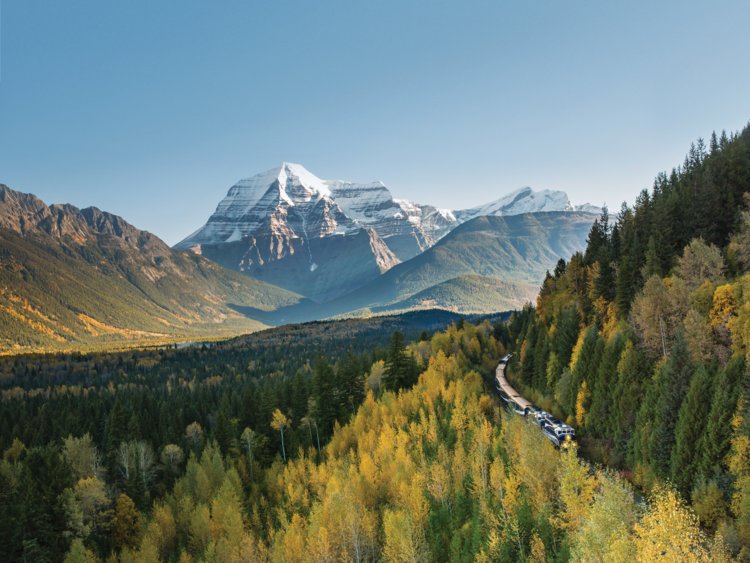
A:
672	387
325	395
632	370
725	392
690	426
117	432
584	364
43	517
603	387
400	369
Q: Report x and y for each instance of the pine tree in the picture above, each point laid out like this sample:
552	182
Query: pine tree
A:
654	263
541	352
673	386
714	444
117	432
632	369
400	369
351	384
603	387
690	426
528	368
224	430
43	517
325	395
568	325
300	395
586	363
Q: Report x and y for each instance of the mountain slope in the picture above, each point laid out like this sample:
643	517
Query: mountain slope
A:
321	268
514	249
293	229
71	277
469	293
487	264
283	226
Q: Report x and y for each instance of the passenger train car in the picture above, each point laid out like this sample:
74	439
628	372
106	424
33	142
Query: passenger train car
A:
556	431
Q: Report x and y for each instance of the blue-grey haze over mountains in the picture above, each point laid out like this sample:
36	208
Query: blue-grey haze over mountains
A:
153	110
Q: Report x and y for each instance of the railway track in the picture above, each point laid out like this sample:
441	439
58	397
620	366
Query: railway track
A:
559	433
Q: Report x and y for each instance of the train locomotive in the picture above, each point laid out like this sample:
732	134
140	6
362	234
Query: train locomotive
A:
556	431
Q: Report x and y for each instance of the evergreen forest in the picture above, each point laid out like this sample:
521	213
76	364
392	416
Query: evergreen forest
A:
382	440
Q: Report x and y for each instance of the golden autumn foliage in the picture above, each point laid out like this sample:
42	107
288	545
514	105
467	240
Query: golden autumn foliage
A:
435	472
669	531
582	399
577	487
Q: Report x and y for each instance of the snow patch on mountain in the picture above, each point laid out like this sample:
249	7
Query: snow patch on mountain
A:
287	200
524	200
290	202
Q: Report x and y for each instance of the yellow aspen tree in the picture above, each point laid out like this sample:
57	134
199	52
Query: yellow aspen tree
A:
401	544
723	306
279	422
199	533
577	488
292	545
538	552
511	493
78	553
581	402
605	534
669	531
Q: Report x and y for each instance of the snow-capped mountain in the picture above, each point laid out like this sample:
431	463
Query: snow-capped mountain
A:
524	200
285	224
287	199
408	228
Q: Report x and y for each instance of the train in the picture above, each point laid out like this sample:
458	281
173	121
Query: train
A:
560	434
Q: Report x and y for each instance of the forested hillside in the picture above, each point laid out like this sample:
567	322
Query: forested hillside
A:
332	441
641	342
426	468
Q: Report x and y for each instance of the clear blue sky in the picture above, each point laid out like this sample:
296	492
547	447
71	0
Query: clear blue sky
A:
152	109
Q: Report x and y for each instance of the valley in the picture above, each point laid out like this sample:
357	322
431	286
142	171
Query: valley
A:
283	246
374	282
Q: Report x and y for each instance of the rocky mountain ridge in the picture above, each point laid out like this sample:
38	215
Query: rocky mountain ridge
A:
72	278
323	238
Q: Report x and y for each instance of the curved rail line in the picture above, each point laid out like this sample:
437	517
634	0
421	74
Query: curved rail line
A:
559	433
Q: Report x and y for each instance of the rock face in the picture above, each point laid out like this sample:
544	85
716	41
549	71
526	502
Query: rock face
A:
26	214
285	227
286	201
407	228
323	238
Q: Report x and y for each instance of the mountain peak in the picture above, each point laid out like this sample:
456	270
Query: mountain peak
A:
288	175
289	199
526	200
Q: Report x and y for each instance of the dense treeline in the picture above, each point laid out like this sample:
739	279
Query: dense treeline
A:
431	472
641	342
80	429
47	396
